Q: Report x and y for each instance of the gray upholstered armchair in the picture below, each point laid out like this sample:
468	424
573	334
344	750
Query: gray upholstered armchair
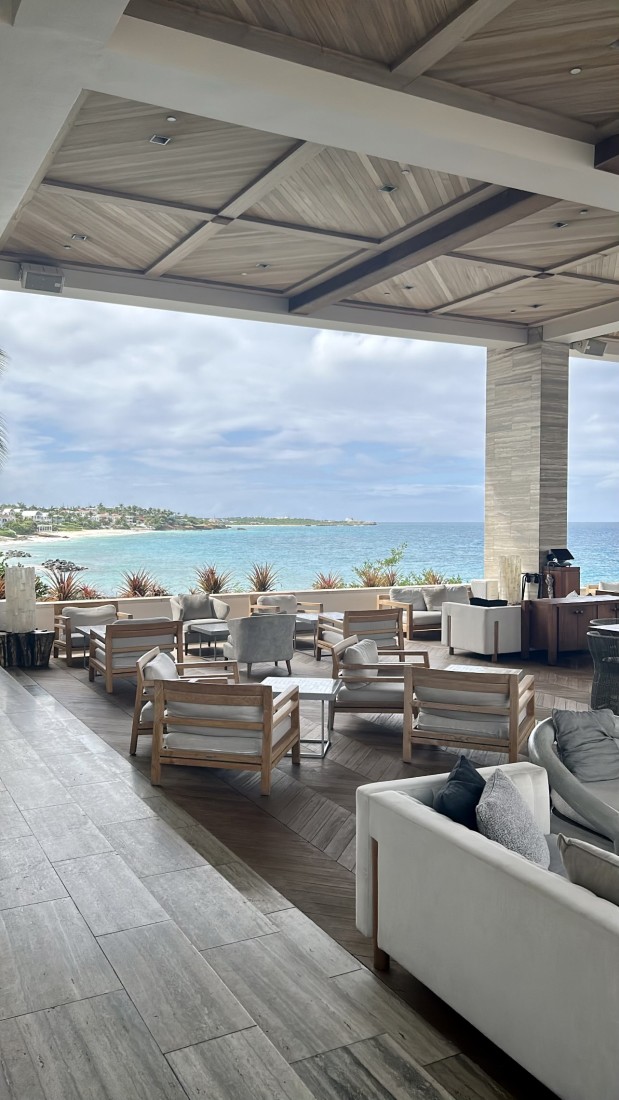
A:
260	638
592	806
197	607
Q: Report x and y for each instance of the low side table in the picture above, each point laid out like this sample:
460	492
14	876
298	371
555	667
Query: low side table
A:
212	633
310	688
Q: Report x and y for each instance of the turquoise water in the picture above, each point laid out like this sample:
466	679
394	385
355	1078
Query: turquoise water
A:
299	552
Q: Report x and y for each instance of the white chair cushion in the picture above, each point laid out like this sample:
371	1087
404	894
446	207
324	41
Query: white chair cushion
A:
147	713
90	616
162	667
221	740
487	725
364	652
287	604
119	660
609	586
470	698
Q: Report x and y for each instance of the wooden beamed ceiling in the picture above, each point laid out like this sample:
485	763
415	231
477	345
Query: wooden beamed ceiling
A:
229	206
551	65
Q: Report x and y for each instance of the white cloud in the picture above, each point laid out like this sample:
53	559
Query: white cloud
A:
225	417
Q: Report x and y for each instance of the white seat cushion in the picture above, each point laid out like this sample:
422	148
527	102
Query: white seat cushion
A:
373	695
364	652
220	740
147	713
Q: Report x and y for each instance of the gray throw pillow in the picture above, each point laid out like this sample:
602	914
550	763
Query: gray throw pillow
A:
503	816
591	867
435	597
586	745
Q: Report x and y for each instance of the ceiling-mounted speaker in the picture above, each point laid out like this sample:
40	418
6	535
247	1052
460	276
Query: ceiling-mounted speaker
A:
39	277
590	347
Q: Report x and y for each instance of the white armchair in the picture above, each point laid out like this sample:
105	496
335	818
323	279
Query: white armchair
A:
486	630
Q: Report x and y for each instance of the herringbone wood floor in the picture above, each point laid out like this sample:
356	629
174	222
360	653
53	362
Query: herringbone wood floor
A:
301	840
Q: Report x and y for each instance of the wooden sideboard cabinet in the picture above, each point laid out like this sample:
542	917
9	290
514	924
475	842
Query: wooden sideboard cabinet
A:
565	579
560	626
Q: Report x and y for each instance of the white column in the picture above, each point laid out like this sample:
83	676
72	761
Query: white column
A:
526	453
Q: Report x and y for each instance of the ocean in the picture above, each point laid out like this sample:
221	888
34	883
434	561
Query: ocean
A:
299	552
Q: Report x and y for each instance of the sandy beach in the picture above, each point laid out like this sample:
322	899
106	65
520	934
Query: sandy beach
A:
107	532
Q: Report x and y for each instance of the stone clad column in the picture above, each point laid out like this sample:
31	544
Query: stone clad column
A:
526	453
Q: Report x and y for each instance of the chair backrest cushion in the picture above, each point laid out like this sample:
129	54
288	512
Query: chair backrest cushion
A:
91	616
263	637
286	603
364	652
176	711
162	667
609	586
376	630
221	610
409	594
445	593
191	605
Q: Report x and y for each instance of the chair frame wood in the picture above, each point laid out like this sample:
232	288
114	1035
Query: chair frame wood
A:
63	642
173	627
396	673
198	670
410	626
520	693
275	709
346	627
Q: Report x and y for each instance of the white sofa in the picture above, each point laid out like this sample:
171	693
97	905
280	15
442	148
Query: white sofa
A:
530	959
486	630
414	598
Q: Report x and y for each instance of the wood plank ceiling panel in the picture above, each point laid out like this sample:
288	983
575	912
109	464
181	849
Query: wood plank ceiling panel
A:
535	240
377	31
206	161
535	300
119	236
339	190
233	256
602	267
436	283
525	55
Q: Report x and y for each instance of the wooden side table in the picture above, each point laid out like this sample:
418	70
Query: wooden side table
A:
31	649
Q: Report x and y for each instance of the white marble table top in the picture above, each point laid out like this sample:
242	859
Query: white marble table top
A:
310	687
497	669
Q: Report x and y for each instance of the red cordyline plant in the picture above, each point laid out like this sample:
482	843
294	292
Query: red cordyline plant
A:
213	580
140	584
89	592
262	578
63	579
328	580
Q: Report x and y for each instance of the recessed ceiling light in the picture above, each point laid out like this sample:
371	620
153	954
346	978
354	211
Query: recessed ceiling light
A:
406	171
78	237
66	246
386	292
409	286
513	311
560	225
263	265
171	118
575	71
387	188
585	210
159	139
544	275
535	307
244	272
615	45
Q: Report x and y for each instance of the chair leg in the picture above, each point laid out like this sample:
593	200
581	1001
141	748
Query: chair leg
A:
249	669
155	772
91	673
109	681
277	664
133	744
407	746
265	778
289	667
296	752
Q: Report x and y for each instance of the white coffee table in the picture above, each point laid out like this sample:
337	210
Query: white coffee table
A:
310	688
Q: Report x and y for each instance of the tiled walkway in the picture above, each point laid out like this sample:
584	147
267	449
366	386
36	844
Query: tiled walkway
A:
202	939
133	967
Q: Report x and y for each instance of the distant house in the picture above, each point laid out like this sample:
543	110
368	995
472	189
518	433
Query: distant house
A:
35	514
45	528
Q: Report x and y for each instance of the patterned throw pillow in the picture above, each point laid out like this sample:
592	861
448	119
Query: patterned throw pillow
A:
503	816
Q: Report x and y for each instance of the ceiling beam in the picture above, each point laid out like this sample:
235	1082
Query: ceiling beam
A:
458	229
487	261
189	296
221	28
607	154
265	182
584	323
462	24
467	299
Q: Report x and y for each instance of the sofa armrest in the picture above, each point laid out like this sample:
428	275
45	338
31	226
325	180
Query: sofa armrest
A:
530	780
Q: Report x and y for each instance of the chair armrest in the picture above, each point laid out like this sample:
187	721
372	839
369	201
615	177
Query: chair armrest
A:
281	701
410	653
323	617
124	615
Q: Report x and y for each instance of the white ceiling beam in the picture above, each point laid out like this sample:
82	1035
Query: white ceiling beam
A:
42	74
184	296
465	22
582	324
156	64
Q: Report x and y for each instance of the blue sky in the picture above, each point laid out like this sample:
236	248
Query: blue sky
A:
223	417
